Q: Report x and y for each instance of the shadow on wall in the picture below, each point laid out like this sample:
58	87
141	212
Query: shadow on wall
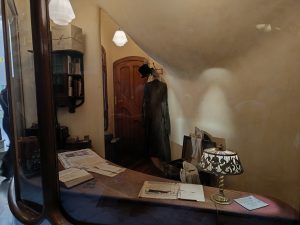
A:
203	102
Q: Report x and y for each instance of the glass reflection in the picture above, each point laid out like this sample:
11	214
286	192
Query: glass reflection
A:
234	106
23	108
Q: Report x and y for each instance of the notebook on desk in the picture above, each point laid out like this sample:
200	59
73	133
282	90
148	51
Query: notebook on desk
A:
169	190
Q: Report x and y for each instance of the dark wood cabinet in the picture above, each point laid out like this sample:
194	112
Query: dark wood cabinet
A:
68	78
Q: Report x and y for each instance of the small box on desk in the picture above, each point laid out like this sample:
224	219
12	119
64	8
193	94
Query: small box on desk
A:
76	143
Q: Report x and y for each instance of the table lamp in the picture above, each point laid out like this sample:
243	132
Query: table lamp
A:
220	162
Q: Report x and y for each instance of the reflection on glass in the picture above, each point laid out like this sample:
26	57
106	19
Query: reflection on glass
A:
22	85
230	104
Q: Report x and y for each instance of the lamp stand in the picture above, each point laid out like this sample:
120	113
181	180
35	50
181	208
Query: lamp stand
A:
220	197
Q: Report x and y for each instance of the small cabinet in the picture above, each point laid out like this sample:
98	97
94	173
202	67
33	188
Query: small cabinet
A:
68	78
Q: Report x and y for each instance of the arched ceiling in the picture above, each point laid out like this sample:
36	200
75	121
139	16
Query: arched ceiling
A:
191	35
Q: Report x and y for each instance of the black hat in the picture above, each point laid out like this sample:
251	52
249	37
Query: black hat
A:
145	70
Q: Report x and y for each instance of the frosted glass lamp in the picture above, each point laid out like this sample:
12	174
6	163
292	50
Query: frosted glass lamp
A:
220	162
120	38
61	12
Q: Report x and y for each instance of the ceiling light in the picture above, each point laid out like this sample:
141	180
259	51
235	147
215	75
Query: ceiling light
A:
264	27
61	12
120	38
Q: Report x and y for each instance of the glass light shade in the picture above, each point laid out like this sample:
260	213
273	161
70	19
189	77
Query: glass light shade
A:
120	38
61	12
220	162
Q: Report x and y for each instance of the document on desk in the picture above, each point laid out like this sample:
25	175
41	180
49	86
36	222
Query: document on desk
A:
191	192
83	159
159	190
168	190
250	202
106	169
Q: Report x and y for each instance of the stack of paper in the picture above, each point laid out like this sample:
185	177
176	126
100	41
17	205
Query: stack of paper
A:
73	176
166	190
88	160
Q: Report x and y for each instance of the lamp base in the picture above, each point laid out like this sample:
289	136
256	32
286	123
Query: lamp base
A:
220	199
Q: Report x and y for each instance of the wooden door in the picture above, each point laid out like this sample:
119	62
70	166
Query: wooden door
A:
128	94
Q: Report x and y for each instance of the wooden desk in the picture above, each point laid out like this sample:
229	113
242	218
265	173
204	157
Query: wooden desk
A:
115	200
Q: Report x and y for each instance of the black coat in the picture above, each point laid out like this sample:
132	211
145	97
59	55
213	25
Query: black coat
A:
157	120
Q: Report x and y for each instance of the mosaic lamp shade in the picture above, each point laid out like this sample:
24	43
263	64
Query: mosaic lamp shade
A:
220	162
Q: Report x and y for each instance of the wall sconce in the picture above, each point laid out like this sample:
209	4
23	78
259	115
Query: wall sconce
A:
120	38
61	12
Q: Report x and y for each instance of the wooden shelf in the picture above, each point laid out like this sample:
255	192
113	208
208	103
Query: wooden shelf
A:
68	87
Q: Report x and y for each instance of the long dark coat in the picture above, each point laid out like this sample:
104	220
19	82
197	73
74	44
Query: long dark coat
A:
157	120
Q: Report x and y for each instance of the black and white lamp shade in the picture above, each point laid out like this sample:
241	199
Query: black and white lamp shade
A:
220	162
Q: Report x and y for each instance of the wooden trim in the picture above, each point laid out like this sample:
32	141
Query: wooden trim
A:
23	213
46	110
19	210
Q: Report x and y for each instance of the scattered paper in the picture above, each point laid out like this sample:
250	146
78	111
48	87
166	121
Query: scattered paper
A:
102	172
106	169
250	202
84	158
110	168
90	161
191	192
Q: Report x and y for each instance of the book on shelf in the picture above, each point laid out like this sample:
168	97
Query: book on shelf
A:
76	88
65	64
70	86
74	176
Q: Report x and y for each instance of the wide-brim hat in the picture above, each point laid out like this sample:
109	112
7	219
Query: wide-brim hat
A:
145	70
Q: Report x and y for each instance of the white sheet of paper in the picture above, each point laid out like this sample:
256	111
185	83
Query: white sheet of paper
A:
191	192
110	168
102	172
250	202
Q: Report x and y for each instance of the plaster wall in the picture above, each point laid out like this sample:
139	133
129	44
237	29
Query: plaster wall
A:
253	102
88	119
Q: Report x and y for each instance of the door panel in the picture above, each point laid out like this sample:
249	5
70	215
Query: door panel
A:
129	92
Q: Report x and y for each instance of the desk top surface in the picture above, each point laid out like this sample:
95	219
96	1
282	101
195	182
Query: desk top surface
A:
127	185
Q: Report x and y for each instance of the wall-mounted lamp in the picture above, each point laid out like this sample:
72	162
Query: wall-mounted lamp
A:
61	12
120	38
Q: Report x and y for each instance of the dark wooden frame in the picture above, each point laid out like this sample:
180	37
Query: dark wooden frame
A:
104	85
46	119
17	207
